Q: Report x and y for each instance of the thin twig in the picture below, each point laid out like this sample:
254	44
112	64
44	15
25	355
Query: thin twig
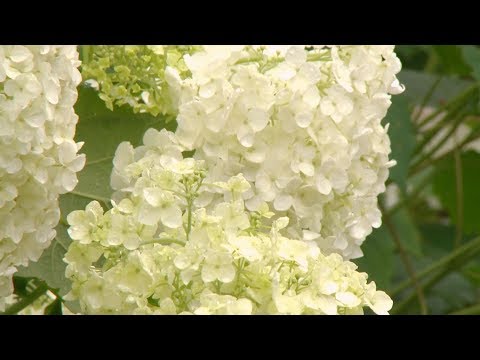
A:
163	241
427	98
411	196
400	306
459	192
461	97
467	250
430	134
406	261
441	142
474	135
435	279
471	310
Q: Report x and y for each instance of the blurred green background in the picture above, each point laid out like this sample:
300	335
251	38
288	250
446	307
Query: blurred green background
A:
426	254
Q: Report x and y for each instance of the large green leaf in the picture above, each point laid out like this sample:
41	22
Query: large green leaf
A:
407	232
417	85
379	249
413	57
451	293
403	144
456	290
471	54
444	186
55	308
439	241
451	60
378	258
50	267
101	130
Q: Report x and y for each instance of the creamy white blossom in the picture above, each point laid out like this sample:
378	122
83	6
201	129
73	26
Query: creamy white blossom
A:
38	157
303	124
159	251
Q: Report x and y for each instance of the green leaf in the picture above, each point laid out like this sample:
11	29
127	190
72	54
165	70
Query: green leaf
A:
459	288
471	55
451	293
444	186
472	272
50	267
403	144
438	239
408	232
21	286
417	84
455	290
379	248
451	60
102	131
55	308
413	56
378	258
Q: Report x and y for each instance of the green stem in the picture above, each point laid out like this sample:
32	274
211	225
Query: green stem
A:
310	58
163	241
55	292
189	198
406	261
22	304
469	249
459	193
100	160
412	195
431	63
433	281
430	117
249	60
430	154
427	98
318	57
85	51
398	308
471	310
189	218
451	104
431	133
474	135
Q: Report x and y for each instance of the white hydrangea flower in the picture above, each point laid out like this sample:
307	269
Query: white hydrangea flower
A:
38	157
303	125
224	259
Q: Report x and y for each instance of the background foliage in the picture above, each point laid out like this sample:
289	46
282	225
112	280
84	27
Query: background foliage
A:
426	255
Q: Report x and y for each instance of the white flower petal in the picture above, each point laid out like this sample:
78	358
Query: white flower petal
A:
258	119
283	202
172	217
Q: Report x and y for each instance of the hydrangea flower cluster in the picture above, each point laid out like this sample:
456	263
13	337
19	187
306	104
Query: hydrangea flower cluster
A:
303	125
160	251
38	157
134	75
